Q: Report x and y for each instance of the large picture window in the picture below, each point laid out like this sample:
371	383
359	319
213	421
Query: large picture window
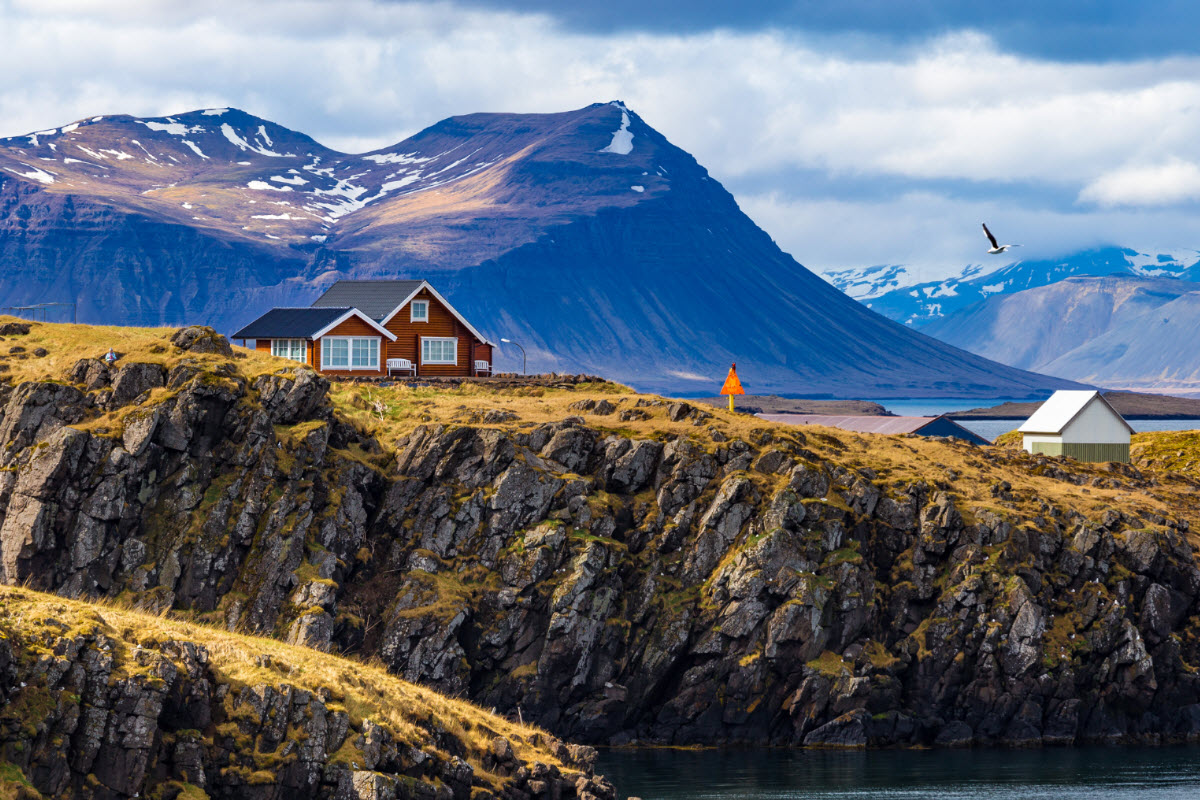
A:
295	349
439	350
420	311
349	352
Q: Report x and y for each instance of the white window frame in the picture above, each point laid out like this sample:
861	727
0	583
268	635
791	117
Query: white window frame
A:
289	349
350	341
412	311
454	346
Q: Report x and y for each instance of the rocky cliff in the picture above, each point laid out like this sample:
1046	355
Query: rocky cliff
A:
616	567
103	703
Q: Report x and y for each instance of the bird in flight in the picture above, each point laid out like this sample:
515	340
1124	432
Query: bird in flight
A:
996	248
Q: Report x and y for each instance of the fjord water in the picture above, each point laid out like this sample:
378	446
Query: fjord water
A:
991	428
1097	773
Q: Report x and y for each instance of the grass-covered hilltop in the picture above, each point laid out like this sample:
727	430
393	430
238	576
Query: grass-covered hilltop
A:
614	567
103	701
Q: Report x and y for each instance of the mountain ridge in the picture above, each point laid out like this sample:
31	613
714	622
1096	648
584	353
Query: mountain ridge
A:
918	303
584	235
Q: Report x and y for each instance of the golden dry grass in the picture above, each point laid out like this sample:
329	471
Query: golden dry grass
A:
67	344
363	690
968	472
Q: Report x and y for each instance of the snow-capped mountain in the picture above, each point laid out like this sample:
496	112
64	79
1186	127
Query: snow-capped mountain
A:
586	236
892	292
1120	331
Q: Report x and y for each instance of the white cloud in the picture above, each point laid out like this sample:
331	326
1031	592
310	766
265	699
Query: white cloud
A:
1174	181
363	74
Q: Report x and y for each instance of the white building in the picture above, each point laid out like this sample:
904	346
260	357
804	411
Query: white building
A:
1079	424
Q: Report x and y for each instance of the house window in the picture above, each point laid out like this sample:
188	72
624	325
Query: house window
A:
295	349
350	352
439	351
420	311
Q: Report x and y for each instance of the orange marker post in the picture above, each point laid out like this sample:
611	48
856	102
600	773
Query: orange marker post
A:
732	385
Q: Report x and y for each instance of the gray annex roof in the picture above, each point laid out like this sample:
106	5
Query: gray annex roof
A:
1054	415
291	323
376	299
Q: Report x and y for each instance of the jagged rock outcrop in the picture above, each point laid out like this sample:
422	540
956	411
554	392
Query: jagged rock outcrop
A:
685	588
87	711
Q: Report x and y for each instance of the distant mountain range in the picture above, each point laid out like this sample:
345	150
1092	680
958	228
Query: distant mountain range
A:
1120	331
586	236
893	292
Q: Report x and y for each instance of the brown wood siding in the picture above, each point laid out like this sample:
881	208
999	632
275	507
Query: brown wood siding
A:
352	327
483	352
441	324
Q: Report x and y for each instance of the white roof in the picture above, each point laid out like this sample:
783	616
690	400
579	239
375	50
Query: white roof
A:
1056	414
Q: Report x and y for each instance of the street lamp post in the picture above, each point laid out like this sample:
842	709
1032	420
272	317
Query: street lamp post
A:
510	341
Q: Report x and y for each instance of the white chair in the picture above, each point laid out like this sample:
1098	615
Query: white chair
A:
483	368
401	365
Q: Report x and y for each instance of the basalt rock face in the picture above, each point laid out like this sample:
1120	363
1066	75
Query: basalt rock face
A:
87	714
682	590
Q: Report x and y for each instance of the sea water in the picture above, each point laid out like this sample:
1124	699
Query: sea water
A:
1094	773
991	428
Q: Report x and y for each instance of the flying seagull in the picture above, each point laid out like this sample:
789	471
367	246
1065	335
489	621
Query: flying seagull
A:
996	248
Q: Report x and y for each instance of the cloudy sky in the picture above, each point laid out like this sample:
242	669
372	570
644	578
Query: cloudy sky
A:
856	132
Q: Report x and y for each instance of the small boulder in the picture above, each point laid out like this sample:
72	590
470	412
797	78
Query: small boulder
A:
502	750
14	329
133	380
201	339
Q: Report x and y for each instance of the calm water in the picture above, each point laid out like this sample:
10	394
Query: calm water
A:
1095	773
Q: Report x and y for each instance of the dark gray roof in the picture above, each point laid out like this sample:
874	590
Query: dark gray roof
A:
290	323
376	299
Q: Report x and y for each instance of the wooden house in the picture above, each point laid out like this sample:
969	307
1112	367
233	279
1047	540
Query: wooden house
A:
375	328
1079	424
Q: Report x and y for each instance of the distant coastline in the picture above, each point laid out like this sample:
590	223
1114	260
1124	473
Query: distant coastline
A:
774	404
1131	405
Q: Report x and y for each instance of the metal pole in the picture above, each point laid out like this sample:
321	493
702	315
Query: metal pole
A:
510	341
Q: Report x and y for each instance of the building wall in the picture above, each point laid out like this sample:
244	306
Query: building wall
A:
441	323
1096	424
1080	451
352	327
1042	445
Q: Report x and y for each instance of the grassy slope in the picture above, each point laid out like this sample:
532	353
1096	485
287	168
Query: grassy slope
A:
363	691
390	412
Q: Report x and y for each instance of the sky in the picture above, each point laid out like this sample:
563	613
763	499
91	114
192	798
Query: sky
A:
855	132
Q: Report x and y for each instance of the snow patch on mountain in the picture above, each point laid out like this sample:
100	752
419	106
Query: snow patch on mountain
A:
194	148
214	112
867	282
242	144
622	140
398	158
41	176
264	186
170	126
